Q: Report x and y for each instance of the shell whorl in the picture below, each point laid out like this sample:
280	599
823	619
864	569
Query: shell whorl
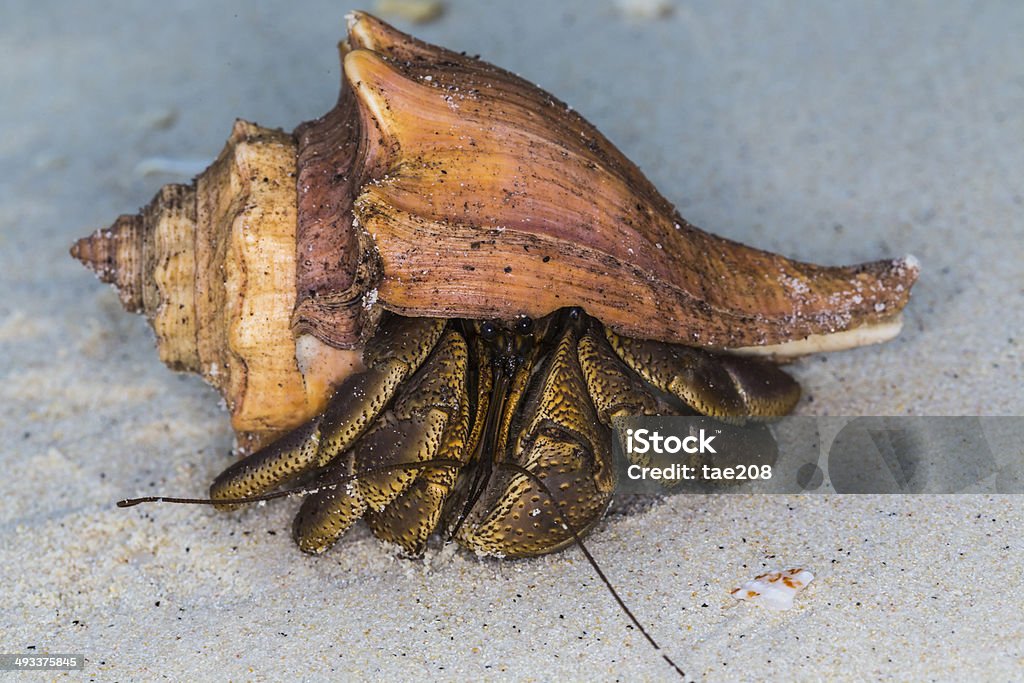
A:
212	267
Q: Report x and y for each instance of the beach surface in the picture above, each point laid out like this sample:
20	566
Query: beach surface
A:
833	134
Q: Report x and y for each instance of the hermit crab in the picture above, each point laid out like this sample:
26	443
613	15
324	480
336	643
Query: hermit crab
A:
431	302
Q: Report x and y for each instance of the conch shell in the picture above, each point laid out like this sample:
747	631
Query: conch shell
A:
441	185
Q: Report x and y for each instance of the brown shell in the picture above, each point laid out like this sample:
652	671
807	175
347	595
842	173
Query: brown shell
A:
441	185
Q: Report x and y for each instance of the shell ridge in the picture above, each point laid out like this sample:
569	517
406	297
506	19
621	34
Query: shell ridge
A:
418	275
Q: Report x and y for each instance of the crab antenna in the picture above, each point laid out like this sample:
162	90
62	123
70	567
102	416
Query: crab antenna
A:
593	563
330	484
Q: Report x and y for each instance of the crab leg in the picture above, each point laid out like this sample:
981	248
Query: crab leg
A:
615	390
415	513
717	385
427	420
396	352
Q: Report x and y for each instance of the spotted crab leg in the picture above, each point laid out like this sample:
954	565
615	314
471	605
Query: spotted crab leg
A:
395	353
428	420
615	390
718	385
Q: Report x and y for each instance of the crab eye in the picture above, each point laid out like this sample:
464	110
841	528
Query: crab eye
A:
575	312
488	331
524	325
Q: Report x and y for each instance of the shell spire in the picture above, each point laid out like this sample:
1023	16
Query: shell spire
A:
114	254
212	267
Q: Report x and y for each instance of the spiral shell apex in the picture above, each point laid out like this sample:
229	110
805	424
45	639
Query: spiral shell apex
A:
441	185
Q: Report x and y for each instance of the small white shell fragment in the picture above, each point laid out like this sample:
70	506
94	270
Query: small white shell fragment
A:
774	590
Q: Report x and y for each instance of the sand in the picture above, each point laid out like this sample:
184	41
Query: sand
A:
833	134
